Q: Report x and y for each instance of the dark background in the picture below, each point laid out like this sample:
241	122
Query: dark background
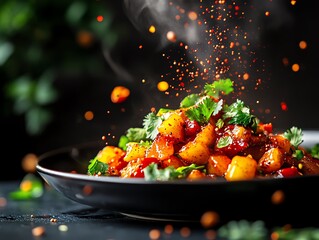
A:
88	83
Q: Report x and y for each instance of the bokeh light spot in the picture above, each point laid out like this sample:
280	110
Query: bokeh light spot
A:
99	18
295	67
303	44
162	86
171	36
152	29
88	115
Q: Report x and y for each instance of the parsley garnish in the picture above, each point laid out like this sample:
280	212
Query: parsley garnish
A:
214	90
238	113
152	173
97	167
132	135
150	123
314	151
224	86
224	142
189	100
204	110
294	135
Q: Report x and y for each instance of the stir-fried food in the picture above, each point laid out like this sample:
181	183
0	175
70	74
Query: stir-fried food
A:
206	138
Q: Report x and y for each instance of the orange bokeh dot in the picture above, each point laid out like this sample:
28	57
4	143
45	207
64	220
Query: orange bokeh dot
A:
284	106
88	115
162	86
152	29
303	44
171	36
100	18
295	67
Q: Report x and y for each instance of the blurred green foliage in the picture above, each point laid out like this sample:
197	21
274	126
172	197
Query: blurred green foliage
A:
41	40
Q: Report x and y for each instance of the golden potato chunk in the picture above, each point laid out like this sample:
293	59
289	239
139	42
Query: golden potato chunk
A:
271	161
217	164
198	150
162	148
173	126
282	142
110	153
241	168
134	151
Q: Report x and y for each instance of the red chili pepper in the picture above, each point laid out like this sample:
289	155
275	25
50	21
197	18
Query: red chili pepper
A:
288	172
139	172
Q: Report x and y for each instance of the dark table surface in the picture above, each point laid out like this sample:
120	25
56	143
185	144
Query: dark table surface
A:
61	218
19	217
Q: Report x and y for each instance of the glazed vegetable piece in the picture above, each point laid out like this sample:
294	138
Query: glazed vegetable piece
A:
217	164
271	161
198	150
173	126
241	168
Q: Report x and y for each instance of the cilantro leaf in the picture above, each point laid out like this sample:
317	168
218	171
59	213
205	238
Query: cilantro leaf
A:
314	151
150	123
136	134
222	86
238	113
97	167
132	135
294	135
224	142
123	141
204	110
152	173
190	100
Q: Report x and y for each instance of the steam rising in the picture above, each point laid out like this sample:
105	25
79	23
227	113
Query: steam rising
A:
222	39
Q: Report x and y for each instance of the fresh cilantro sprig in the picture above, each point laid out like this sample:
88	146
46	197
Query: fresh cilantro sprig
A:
150	123
153	173
189	100
132	135
97	167
314	151
214	90
224	142
238	113
204	110
222	86
294	135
